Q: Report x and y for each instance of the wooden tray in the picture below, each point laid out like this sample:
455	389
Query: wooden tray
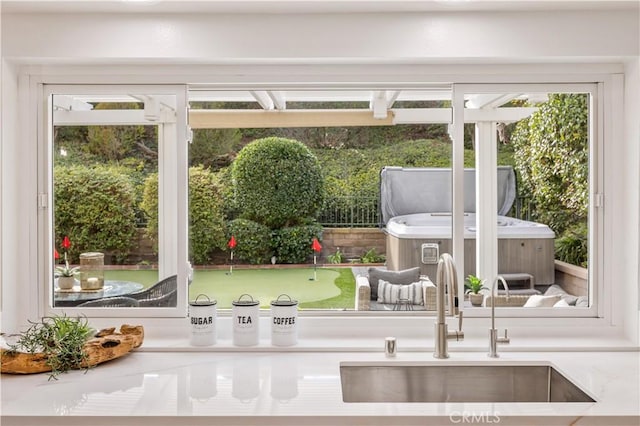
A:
105	346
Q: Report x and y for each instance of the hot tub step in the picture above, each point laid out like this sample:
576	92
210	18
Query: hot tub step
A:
522	276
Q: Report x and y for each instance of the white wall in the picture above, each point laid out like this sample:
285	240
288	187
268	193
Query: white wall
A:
530	44
480	36
632	171
11	242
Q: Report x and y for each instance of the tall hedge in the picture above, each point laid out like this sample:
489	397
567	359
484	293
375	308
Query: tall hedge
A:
552	158
278	182
94	206
206	218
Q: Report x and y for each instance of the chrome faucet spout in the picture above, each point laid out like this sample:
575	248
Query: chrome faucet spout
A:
493	332
446	276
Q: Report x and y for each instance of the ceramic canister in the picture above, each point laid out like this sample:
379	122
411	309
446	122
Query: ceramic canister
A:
245	316
202	313
284	321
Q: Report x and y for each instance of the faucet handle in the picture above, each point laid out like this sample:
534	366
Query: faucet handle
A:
457	334
504	339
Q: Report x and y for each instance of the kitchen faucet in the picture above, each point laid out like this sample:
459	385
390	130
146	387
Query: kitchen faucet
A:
446	276
493	332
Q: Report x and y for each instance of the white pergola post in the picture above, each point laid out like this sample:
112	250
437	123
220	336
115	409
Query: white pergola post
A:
486	201
457	184
167	194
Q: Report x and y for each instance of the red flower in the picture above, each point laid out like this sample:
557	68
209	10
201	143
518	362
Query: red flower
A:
65	270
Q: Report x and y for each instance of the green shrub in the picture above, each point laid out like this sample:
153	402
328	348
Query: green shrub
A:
206	218
278	182
372	257
572	246
95	208
134	169
253	241
150	207
230	205
293	244
337	257
552	159
211	147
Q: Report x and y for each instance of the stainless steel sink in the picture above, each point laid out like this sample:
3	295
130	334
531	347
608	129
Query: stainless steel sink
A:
393	382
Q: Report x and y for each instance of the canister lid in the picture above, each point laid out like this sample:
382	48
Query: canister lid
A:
249	302
92	255
284	302
203	302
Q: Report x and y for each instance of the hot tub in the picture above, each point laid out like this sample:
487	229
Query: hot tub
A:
523	246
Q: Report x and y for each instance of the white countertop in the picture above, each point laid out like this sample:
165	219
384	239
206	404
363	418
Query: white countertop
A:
281	387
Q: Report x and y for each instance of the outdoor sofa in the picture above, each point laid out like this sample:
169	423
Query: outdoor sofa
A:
554	296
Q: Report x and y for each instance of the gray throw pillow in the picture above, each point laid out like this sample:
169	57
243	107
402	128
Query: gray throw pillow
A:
406	276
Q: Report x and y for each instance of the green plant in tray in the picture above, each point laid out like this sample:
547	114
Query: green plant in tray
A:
60	338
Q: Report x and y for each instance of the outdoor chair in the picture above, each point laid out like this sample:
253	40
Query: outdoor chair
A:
163	293
368	298
111	302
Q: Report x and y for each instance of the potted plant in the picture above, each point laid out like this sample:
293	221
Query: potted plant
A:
474	285
65	274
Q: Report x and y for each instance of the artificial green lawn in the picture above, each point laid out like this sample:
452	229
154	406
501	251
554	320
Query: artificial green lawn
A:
332	288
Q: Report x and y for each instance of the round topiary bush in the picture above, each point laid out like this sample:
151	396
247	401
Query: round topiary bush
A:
95	209
278	182
293	244
253	241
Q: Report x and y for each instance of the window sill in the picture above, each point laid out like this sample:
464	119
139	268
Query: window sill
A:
366	334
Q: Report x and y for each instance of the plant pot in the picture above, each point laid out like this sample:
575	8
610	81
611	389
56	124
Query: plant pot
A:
476	299
66	283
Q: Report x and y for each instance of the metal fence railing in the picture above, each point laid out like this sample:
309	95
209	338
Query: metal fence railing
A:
350	212
363	212
523	208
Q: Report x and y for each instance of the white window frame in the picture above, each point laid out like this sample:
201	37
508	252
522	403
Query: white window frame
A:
488	238
610	82
172	198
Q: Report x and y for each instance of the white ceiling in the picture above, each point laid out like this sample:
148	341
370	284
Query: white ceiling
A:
302	6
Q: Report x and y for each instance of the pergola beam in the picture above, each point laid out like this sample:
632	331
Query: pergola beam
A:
500	115
278	100
392	97
378	104
234	119
489	100
69	103
263	98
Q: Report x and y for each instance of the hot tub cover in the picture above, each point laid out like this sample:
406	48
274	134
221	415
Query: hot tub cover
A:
428	190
